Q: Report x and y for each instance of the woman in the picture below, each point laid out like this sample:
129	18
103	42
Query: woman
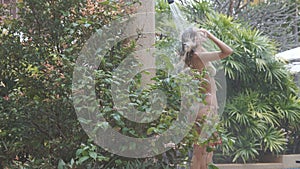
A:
196	57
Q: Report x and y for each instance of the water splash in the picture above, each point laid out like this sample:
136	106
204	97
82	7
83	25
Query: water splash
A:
180	22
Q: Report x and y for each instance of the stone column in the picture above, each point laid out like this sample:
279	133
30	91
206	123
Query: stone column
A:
143	24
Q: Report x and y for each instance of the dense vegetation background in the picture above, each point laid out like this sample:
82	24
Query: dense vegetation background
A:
38	124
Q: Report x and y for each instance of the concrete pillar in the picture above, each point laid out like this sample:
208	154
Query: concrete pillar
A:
144	23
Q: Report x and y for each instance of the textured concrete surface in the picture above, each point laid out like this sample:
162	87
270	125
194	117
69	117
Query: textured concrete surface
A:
278	162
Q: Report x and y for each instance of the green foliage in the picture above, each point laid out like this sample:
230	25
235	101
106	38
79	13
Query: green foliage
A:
39	127
261	96
38	53
145	164
212	166
250	119
38	50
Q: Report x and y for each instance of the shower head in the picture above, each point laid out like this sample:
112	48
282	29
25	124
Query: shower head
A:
170	1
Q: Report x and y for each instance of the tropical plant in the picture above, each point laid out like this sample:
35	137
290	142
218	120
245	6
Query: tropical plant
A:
39	127
252	123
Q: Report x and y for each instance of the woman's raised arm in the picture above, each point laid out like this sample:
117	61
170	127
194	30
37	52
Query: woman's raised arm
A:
211	56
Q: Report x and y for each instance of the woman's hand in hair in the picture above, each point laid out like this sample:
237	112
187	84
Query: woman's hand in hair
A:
204	32
225	49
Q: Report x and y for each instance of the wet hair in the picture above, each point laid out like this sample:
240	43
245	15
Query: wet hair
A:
189	39
192	39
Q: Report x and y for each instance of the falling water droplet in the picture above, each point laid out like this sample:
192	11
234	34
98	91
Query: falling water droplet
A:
180	22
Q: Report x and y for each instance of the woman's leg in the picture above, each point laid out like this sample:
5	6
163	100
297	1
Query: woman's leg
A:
201	158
